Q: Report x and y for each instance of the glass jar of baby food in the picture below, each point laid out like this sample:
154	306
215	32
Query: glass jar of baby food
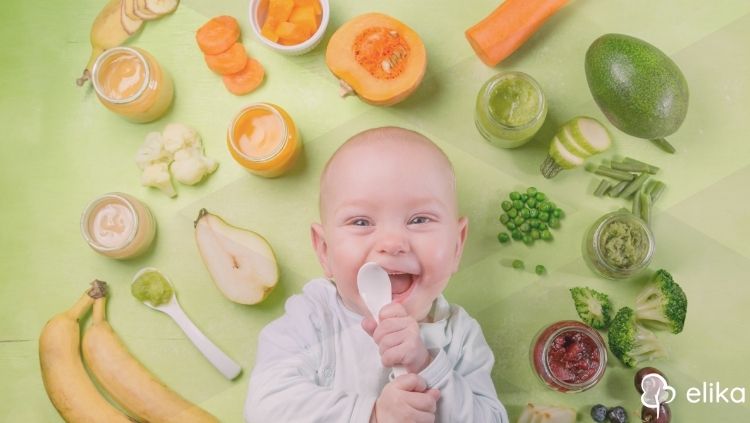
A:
118	225
130	82
618	245
510	109
568	356
264	140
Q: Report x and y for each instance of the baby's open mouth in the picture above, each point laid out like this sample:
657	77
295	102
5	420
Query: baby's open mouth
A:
401	284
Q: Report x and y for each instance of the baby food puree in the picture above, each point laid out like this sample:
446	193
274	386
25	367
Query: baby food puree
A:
131	83
510	109
118	225
264	140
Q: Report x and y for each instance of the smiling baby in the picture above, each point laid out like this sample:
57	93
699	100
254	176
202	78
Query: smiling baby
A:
387	195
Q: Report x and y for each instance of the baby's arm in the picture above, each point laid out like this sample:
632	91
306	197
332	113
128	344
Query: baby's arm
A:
285	386
467	393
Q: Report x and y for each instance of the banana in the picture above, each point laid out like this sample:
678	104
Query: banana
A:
128	382
107	31
68	386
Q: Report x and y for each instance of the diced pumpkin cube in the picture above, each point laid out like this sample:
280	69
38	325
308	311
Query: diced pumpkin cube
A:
304	16
279	10
269	30
290	33
314	3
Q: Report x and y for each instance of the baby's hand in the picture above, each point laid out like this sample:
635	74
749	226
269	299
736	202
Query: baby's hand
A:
398	339
406	400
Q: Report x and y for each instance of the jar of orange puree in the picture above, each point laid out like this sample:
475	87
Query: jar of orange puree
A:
129	82
264	140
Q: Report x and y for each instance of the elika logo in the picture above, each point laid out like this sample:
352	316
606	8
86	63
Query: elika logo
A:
656	391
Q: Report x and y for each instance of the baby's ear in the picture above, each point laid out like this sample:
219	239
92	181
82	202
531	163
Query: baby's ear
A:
463	231
321	247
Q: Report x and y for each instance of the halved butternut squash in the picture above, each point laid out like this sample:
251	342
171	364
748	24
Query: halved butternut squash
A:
377	57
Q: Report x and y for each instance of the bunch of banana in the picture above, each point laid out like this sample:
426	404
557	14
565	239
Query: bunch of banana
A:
118	21
125	379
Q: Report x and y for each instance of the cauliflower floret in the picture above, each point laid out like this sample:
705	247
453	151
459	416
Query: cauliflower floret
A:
190	165
151	151
178	136
157	175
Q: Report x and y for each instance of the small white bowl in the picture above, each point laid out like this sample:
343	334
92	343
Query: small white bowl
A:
258	12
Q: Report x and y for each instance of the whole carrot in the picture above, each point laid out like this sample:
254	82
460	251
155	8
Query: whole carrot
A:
502	32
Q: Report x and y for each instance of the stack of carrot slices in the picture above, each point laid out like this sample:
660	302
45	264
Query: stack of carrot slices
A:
218	39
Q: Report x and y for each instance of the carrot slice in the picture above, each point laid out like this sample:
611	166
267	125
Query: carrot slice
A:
218	34
246	80
230	61
505	29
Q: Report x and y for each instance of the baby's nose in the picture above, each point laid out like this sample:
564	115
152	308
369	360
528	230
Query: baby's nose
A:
392	242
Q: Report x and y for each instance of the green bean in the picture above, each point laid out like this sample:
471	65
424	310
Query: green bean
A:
602	188
664	145
652	169
646	207
635	185
615	190
614	174
636	210
631	167
657	190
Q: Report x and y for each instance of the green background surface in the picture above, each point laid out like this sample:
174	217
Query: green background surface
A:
61	149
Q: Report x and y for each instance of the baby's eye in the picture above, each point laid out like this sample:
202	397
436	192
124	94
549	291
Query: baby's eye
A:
419	220
360	222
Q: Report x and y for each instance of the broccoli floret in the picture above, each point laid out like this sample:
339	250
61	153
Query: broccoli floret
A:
631	342
662	303
594	308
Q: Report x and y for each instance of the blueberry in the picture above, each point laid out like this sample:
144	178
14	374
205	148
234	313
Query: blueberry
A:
617	415
599	413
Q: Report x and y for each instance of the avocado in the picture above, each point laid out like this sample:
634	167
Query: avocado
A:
638	87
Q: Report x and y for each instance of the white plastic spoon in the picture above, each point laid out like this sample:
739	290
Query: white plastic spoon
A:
228	367
375	289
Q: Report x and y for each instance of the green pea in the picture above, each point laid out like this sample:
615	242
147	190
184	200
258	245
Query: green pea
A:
546	235
544	216
512	212
524	197
533	213
540	196
540	270
511	225
506	205
503	237
531	203
531	191
504	218
554	222
517	264
559	213
543	206
517	204
515	234
515	195
534	223
535	234
525	213
552	205
519	220
525	227
527	240
542	226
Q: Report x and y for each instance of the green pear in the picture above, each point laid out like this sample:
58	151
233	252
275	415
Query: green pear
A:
240	262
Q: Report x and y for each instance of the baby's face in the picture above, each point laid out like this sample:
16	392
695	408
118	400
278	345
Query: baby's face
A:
392	203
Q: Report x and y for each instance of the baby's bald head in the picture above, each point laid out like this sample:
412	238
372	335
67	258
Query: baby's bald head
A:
400	146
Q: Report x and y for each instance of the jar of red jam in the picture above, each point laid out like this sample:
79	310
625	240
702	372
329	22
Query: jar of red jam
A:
569	356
